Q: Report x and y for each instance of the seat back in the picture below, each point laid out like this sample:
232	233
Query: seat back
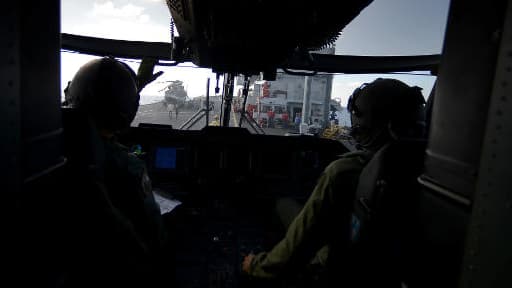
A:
384	220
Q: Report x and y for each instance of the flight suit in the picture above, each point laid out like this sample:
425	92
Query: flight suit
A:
319	223
129	189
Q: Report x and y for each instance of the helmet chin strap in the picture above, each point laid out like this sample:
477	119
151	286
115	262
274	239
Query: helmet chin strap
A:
374	141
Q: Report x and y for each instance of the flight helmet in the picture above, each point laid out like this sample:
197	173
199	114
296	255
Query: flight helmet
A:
106	90
384	109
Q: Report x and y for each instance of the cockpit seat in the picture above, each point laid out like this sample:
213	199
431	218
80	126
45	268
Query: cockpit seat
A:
380	252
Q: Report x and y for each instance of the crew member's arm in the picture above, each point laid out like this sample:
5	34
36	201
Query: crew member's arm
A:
145	72
310	229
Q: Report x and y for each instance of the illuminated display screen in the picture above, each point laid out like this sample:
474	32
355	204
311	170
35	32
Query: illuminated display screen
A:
165	158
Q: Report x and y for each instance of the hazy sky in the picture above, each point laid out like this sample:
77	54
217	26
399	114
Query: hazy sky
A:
381	29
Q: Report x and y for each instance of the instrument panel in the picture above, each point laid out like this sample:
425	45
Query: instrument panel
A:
227	181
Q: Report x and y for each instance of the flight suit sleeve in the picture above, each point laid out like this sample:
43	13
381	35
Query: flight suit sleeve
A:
154	225
134	195
309	230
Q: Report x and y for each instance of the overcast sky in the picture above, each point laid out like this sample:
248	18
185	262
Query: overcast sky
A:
386	27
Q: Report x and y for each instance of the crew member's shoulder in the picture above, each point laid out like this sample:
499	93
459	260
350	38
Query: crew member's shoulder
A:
122	156
349	161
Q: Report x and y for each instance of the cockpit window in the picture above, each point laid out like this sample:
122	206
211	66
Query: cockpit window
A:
177	95
275	106
398	27
179	88
136	20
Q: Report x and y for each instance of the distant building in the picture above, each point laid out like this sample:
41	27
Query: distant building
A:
286	94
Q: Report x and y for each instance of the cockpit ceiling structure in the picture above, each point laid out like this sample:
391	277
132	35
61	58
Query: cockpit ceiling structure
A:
256	35
320	62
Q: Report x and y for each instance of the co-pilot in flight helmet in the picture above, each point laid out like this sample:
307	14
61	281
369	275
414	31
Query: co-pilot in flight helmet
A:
386	108
106	90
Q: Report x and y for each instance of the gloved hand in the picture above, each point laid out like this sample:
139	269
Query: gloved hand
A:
246	264
145	72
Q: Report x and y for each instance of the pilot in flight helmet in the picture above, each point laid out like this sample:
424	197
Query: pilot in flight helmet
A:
106	90
386	108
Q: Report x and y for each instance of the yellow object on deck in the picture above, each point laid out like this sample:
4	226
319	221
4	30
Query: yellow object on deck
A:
215	121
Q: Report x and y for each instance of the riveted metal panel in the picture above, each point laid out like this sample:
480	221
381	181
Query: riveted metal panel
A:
40	91
488	259
462	95
10	98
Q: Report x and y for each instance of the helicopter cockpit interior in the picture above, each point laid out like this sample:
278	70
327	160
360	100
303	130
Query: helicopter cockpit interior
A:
217	185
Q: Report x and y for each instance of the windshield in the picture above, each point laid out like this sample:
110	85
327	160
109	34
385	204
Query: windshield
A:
275	106
383	28
396	27
136	20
